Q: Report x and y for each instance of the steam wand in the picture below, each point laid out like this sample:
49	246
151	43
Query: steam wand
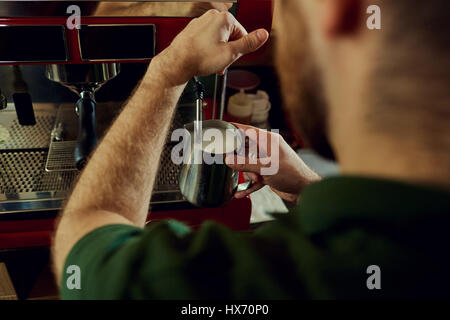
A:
200	94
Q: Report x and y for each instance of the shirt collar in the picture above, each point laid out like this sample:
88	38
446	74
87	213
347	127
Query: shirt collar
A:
335	200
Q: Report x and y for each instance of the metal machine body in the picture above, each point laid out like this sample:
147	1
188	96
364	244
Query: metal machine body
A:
38	162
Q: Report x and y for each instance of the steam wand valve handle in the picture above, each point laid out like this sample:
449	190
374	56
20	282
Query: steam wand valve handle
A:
199	89
87	136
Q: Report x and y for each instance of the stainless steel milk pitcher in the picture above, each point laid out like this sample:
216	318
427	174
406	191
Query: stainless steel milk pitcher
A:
210	185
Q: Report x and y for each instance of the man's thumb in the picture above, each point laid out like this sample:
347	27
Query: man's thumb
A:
251	42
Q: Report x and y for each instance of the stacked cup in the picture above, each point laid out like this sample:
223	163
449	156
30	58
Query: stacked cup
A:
261	107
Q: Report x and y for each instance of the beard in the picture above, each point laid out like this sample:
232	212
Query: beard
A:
301	83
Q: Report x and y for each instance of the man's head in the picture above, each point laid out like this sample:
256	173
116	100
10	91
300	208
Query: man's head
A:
346	86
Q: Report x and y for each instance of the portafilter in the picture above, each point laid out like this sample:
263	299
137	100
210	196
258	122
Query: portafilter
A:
84	80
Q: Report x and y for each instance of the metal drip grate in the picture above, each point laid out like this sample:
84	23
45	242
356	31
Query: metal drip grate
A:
37	171
29	137
22	171
56	181
61	159
168	174
61	156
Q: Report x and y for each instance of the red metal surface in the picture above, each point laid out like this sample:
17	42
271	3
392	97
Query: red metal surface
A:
37	232
255	14
15	240
235	215
26	225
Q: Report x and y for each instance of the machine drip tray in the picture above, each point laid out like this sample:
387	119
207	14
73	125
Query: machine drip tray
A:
37	163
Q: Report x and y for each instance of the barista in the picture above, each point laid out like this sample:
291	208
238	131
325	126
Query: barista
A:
354	95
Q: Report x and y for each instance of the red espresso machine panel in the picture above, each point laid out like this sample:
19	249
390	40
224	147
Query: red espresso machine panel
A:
252	14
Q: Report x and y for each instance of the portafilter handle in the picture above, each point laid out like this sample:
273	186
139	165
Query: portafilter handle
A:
83	79
87	136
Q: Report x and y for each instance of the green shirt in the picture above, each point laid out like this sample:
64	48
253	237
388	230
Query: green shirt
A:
321	249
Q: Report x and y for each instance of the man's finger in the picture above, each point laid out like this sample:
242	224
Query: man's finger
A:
244	126
237	30
286	196
253	176
255	187
244	164
241	164
250	43
259	136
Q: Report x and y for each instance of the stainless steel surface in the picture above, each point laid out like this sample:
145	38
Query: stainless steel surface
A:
167	179
199	110
37	170
30	137
79	78
24	184
223	89
22	172
214	107
209	185
198	120
27	137
61	157
37	162
220	87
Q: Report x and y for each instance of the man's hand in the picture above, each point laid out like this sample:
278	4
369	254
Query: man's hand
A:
293	174
209	44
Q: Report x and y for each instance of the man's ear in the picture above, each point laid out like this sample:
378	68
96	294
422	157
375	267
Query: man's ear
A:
341	17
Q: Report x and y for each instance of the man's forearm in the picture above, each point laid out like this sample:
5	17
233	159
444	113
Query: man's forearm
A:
117	183
120	176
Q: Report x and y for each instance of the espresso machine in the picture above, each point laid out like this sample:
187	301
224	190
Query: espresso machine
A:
62	85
